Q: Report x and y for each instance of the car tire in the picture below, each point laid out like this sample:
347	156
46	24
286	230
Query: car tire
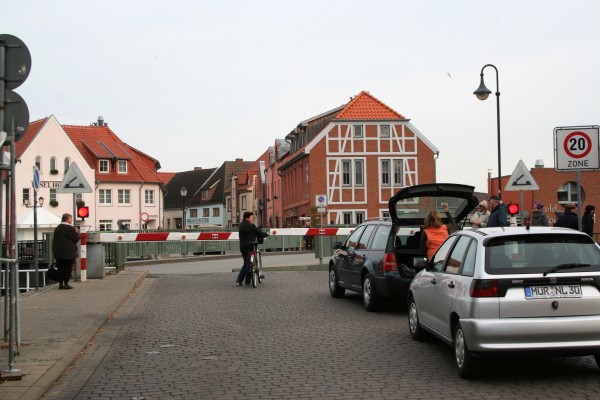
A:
334	288
463	358
370	299
414	326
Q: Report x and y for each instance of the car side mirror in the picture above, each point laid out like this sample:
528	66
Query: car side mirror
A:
337	245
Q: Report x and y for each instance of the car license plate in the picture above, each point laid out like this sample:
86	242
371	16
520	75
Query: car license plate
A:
551	291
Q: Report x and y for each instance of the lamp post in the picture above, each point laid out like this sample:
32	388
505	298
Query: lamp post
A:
35	233
482	93
183	192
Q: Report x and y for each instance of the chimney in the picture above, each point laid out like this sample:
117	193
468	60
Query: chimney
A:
239	160
197	168
539	163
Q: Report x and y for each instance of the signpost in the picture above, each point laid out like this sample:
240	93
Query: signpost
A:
577	148
521	179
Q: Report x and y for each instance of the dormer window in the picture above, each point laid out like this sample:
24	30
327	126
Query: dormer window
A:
204	194
103	166
122	166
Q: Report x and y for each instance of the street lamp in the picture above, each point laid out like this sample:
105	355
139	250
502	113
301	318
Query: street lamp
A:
26	203
183	192
482	93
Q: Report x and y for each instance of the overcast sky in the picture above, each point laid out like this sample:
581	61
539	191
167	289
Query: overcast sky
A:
195	83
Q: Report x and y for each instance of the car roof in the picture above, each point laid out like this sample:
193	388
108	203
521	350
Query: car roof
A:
518	230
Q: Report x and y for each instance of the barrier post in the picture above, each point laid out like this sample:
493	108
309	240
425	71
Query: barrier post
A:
83	256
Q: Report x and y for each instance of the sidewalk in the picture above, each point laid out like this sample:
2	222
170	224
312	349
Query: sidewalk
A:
56	326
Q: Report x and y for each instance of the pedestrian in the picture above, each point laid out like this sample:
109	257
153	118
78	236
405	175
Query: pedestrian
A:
435	231
569	218
481	216
499	214
538	216
64	248
248	233
588	219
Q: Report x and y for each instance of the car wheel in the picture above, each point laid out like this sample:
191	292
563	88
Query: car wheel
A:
462	355
416	332
335	290
370	299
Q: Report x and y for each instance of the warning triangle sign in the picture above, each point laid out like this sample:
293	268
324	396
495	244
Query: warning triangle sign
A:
521	179
74	182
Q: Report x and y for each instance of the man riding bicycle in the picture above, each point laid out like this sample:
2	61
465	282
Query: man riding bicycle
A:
248	233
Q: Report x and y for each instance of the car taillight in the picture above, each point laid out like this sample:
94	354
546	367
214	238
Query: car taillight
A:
389	263
484	288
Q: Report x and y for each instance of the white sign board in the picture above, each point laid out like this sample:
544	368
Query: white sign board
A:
576	148
521	179
74	182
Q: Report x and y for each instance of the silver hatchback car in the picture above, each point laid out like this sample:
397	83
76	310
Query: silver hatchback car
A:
508	290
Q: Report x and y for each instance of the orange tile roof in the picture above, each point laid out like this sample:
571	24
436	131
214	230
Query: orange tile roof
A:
32	131
365	106
166	177
96	142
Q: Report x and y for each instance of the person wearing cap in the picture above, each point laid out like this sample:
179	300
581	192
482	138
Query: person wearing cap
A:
538	216
499	214
480	218
569	218
587	221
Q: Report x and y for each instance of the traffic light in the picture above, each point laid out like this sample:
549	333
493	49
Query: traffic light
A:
513	209
83	212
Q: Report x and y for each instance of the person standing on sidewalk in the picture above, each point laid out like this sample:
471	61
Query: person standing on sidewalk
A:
248	233
64	247
569	218
499	215
588	219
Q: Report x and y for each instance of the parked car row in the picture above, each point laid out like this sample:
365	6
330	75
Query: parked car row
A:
493	291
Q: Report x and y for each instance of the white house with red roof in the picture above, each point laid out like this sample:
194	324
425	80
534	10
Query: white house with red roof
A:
126	188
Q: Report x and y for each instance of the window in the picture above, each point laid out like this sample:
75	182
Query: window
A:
193	213
385	172
26	195
359	173
346	173
360	217
104	196
398	172
469	264
206	212
124	196
126	224
567	193
38	163
385	214
52	164
103	166
122	166
384	131
455	260
52	195
381	237
358	131
105	224
347	217
149	197
204	194
440	255
216	212
67	163
364	238
244	202
352	241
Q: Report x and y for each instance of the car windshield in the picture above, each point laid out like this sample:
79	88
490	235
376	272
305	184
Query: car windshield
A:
532	254
419	207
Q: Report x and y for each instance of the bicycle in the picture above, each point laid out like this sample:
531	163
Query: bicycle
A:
256	264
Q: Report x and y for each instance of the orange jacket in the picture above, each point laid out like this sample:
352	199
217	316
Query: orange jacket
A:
435	238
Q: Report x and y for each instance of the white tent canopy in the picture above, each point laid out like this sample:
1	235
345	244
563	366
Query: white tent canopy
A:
45	219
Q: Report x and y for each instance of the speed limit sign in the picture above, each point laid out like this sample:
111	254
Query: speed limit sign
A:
576	148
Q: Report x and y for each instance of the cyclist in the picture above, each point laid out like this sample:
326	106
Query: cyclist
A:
248	233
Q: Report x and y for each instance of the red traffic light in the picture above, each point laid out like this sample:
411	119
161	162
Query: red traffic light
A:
513	208
83	212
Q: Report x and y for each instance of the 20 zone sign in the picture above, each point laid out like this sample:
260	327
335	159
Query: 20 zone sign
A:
576	148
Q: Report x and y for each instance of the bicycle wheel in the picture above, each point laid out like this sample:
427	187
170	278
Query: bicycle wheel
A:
259	268
254	271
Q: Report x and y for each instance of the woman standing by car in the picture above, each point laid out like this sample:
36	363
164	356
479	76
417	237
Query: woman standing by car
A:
435	231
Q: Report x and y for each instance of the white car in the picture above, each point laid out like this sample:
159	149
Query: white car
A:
506	290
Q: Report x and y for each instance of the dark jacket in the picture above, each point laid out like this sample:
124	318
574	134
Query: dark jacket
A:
64	242
248	233
587	224
568	220
498	217
539	218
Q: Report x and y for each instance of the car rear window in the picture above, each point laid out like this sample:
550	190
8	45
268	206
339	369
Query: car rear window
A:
419	207
531	254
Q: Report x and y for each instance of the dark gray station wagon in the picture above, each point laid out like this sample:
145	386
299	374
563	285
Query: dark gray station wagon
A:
378	259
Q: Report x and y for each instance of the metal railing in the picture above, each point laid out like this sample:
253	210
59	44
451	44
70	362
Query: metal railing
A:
26	279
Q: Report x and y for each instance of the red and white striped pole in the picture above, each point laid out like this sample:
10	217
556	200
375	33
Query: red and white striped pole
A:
83	255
